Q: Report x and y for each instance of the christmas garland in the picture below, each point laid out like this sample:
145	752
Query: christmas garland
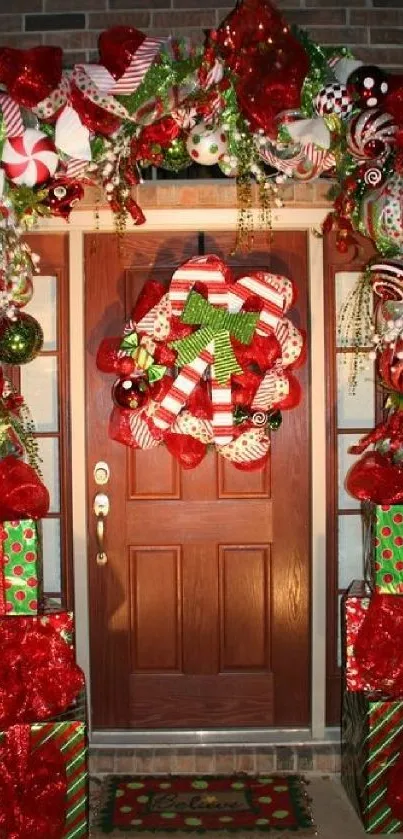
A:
206	363
260	99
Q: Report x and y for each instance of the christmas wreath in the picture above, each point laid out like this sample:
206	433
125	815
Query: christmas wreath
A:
207	362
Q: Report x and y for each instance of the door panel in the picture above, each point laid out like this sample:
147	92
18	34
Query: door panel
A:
201	615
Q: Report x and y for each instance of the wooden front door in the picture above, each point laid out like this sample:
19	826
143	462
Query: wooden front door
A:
200	618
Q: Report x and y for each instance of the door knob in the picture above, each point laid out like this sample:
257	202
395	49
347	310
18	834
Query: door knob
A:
101	510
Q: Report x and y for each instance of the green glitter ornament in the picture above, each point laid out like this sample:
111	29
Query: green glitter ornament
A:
176	156
20	339
274	420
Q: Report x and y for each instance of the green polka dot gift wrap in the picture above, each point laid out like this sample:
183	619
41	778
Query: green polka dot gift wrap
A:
20	567
386	560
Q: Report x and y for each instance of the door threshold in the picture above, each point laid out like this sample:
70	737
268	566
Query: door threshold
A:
168	738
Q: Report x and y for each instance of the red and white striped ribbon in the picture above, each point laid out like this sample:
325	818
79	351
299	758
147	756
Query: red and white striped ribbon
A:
141	432
291	341
274	387
273	301
140	63
209	270
75	168
13	123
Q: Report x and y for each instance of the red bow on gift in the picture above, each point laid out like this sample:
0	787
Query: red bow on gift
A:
33	787
38	674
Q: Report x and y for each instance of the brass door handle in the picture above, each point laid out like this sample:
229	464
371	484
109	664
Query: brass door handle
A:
101	510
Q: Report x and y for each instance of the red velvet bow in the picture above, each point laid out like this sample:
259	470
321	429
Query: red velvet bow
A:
30	75
33	787
38	674
379	644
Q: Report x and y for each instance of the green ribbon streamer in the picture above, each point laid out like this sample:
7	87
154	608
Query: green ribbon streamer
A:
218	325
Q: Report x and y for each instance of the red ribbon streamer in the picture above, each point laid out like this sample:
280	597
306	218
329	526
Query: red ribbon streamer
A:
38	674
33	787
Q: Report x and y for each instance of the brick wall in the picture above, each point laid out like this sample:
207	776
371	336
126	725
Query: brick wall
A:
372	28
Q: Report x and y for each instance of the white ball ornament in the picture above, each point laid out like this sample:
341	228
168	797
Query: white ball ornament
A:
207	144
29	159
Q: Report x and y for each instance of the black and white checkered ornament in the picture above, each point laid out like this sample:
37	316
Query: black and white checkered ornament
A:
333	99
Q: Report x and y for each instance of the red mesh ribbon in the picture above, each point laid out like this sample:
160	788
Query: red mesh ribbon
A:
38	674
33	788
376	477
379	645
23	495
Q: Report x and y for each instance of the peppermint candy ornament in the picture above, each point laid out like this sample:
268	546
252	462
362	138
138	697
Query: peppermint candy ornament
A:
206	144
333	99
371	134
30	159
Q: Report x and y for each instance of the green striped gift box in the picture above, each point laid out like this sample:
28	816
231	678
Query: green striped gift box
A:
71	739
372	737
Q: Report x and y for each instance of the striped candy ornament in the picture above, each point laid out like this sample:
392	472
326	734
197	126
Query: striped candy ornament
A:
29	159
387	278
307	163
71	739
371	134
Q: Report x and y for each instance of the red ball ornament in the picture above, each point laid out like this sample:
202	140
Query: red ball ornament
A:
130	392
63	196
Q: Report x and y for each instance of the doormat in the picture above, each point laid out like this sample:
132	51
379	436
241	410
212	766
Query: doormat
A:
198	803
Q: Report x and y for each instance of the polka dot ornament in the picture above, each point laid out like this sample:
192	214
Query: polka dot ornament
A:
207	145
31	159
334	99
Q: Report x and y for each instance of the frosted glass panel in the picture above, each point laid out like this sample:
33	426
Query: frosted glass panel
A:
345	461
49	452
355	410
39	389
51	554
344	283
43	307
351	560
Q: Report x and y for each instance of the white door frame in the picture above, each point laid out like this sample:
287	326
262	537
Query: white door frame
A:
309	220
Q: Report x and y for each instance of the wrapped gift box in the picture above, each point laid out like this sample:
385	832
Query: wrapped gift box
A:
39	671
64	762
372	739
354	605
20	567
383	546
